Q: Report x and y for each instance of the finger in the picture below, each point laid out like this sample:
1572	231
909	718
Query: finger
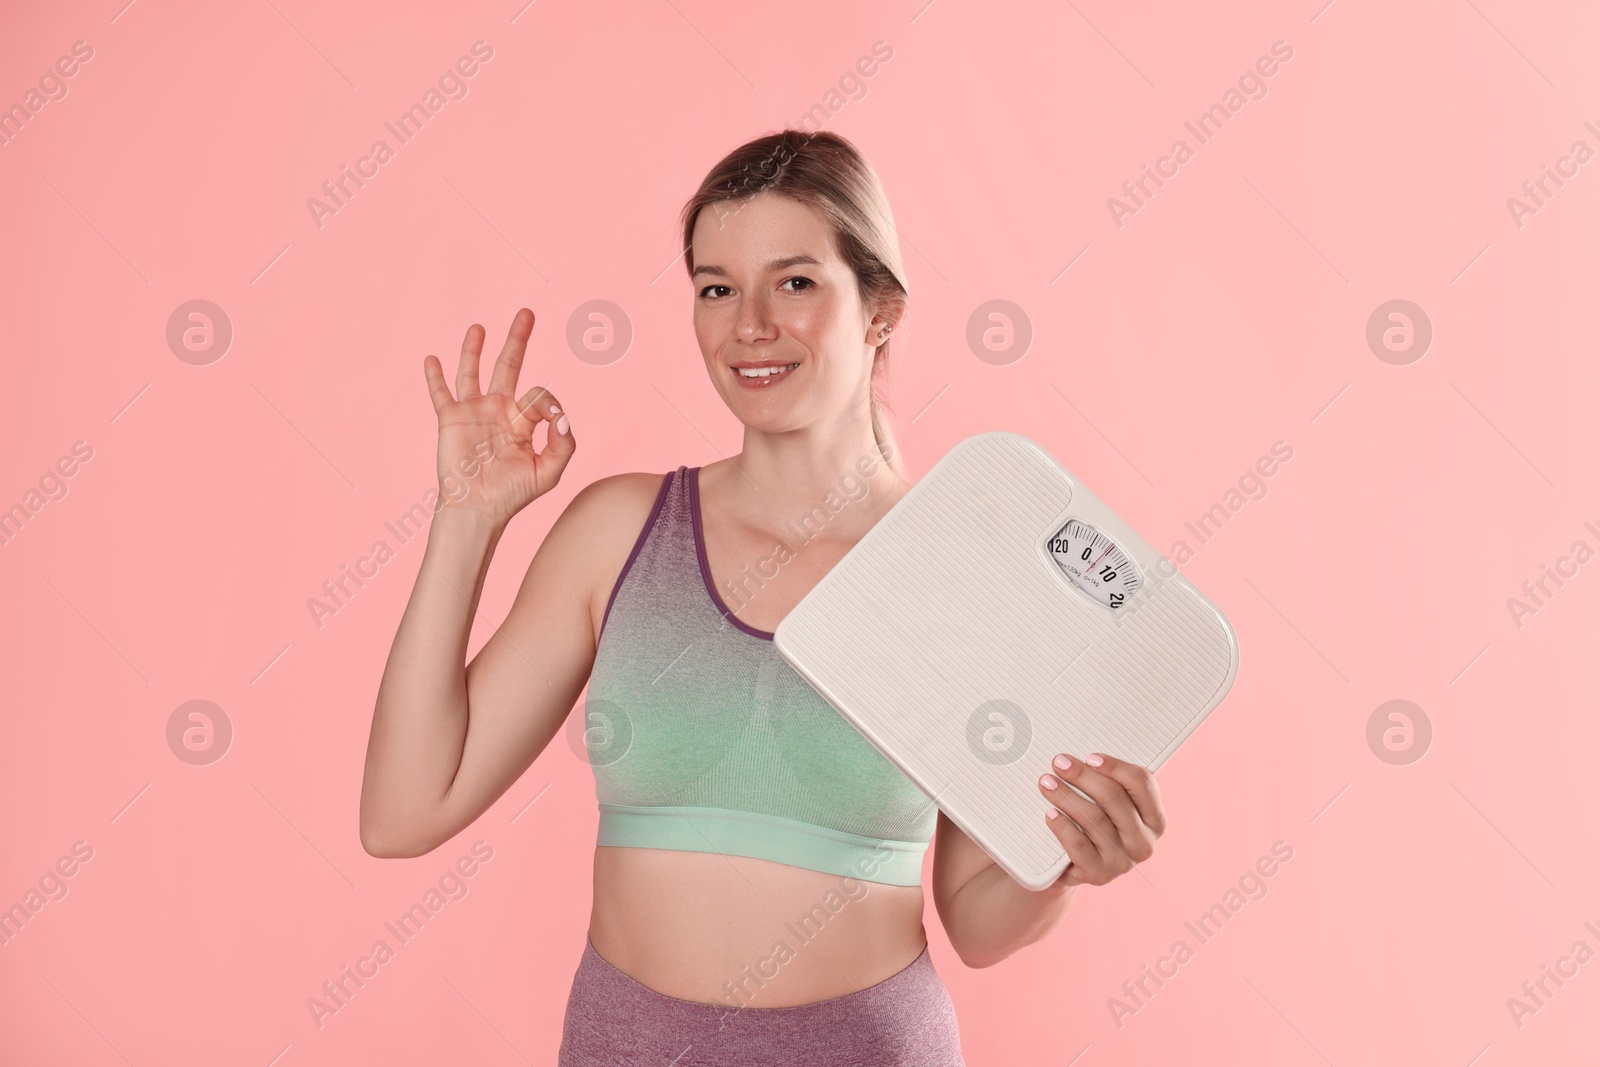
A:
504	379
1097	821
1140	785
559	447
537	405
559	442
467	369
1081	850
1106	792
438	391
1089	815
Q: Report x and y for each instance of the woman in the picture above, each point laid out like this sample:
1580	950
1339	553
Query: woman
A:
757	879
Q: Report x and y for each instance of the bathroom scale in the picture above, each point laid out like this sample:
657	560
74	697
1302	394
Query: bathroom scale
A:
1000	613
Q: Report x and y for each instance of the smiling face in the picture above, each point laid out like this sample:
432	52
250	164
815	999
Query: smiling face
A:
772	290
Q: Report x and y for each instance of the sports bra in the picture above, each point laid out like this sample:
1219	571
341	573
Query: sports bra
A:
703	739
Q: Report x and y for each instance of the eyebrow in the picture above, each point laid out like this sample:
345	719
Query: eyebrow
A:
777	264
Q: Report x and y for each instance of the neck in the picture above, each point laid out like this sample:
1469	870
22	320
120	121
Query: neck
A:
840	490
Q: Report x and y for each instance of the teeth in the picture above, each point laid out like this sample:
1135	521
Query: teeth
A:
763	372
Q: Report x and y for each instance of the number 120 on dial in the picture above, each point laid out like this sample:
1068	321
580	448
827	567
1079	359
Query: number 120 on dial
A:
1095	563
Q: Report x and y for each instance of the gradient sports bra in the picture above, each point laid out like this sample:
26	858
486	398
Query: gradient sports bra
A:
703	739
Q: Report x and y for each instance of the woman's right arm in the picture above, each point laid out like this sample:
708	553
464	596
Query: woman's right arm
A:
448	739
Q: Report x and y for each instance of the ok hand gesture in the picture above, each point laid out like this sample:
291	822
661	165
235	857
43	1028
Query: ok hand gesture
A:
495	430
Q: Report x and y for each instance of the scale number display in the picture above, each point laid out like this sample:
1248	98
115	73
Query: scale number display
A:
1095	563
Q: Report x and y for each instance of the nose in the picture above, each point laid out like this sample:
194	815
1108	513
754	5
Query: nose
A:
755	320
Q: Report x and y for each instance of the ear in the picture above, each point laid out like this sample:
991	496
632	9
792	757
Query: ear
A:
887	314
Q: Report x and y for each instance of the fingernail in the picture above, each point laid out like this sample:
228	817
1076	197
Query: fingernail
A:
561	424
1063	762
1094	760
1049	781
554	410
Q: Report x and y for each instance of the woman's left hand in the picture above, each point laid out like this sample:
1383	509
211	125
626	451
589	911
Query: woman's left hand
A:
1104	839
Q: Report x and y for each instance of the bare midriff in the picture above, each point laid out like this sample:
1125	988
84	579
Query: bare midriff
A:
707	927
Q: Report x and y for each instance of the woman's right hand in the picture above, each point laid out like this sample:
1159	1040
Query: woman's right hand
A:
487	463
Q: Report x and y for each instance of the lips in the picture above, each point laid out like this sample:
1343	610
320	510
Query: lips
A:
776	373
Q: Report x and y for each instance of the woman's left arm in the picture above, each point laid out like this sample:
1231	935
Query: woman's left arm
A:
988	915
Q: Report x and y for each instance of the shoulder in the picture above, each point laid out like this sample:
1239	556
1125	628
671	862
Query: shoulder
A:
607	502
601	525
608	513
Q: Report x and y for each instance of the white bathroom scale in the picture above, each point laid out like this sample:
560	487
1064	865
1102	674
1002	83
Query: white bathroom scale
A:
1000	613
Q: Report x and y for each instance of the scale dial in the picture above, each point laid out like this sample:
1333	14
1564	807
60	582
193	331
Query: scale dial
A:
1095	563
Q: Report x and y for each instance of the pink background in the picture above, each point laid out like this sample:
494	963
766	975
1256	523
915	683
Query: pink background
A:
1228	313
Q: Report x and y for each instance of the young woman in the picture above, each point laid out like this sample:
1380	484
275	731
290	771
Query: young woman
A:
757	879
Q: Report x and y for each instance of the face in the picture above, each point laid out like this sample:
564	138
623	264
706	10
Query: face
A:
771	289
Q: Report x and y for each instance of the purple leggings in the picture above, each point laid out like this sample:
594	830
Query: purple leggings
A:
906	1020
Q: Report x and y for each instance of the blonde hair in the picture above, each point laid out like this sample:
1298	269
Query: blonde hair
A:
828	173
